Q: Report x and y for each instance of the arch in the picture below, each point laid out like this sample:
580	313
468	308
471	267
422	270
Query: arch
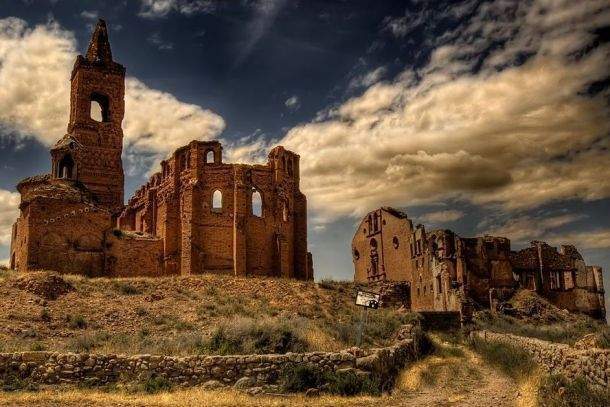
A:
217	201
99	108
257	203
356	254
65	168
209	157
395	242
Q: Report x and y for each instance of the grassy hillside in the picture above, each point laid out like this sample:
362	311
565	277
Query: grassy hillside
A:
183	315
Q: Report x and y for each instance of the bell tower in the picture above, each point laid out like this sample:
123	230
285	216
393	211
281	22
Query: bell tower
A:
90	152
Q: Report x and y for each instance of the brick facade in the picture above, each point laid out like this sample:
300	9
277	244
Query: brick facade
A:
447	272
197	215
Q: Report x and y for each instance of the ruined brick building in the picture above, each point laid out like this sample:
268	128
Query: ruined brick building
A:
197	215
446	272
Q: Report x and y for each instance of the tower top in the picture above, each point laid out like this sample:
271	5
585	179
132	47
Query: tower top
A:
99	46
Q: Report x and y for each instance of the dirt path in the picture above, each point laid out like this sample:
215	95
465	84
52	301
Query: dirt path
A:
455	380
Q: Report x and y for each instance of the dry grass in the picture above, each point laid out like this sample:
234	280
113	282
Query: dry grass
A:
180	315
188	397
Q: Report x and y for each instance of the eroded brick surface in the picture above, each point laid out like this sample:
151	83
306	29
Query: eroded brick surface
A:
447	272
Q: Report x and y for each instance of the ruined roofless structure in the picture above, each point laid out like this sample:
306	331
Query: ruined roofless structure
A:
198	215
446	272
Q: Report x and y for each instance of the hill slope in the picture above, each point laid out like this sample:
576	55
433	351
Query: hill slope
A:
182	315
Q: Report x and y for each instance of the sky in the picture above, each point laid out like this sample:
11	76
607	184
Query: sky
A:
484	117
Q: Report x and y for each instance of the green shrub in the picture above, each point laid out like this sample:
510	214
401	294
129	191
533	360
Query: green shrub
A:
557	391
38	347
515	362
248	335
126	288
156	384
76	321
299	378
348	383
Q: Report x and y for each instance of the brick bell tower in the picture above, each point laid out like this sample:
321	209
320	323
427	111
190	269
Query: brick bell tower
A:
90	153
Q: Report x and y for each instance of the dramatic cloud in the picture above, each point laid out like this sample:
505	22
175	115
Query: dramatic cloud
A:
526	228
161	8
292	103
35	66
9	202
501	114
442	216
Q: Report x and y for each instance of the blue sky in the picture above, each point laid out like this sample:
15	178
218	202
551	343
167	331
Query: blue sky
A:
483	117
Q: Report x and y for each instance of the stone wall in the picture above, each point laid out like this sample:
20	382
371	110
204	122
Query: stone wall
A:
211	371
556	358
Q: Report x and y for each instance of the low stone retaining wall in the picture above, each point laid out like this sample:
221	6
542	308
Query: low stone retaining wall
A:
211	371
557	358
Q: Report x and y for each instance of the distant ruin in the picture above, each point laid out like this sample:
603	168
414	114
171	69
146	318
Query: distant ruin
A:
446	272
197	215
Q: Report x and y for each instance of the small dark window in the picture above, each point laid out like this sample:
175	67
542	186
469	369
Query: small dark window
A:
65	168
395	242
356	254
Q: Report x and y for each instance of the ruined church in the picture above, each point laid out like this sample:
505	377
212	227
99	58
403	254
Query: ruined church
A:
446	272
197	215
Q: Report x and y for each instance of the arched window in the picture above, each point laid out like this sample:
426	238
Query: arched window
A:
217	201
209	157
356	254
395	242
257	203
65	168
96	111
99	108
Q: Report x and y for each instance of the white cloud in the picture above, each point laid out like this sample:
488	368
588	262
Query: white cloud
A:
368	78
9	211
450	215
292	102
89	14
265	13
161	44
161	8
35	66
512	133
